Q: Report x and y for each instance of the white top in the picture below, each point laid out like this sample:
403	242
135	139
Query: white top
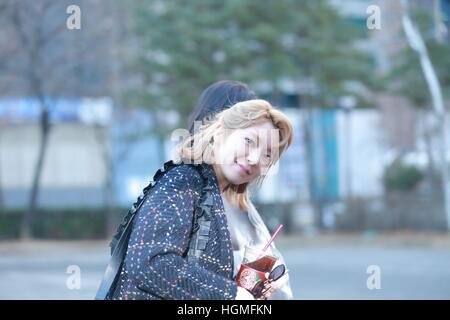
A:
246	227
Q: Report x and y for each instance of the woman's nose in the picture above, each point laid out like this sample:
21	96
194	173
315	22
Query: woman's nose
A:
253	157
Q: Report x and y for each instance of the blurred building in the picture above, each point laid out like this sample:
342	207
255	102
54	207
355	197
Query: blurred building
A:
75	167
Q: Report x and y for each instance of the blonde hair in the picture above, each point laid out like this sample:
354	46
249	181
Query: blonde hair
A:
199	147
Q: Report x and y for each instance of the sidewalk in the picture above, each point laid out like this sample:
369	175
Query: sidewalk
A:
38	246
376	239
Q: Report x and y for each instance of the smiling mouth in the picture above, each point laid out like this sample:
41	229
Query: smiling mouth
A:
243	168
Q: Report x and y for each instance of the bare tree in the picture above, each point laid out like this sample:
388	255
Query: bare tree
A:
46	59
416	42
33	40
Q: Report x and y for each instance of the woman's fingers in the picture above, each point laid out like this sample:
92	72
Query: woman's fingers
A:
269	288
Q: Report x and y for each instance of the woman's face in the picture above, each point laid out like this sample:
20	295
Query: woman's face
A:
245	154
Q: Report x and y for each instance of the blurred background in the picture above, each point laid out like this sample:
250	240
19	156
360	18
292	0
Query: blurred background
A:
90	92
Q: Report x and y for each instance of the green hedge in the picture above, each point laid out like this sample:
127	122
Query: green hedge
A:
402	177
10	224
67	224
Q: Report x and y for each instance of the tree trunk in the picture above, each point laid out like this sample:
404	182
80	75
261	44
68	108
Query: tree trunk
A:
416	42
27	222
111	216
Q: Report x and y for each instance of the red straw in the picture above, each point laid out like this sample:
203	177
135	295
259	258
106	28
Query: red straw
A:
273	237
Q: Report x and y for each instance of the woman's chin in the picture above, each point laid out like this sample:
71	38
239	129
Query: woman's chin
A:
235	179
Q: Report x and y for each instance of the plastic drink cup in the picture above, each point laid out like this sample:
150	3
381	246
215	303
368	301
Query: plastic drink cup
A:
254	267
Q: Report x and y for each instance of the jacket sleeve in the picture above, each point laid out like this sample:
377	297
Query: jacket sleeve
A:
160	236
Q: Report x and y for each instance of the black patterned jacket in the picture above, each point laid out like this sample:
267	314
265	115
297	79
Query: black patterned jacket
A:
155	265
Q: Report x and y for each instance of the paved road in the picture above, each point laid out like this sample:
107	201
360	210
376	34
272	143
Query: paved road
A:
41	271
317	272
341	273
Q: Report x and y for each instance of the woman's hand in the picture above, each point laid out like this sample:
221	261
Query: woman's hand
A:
243	294
269	288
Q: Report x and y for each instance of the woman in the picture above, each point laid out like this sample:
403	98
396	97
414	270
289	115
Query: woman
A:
244	226
156	264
